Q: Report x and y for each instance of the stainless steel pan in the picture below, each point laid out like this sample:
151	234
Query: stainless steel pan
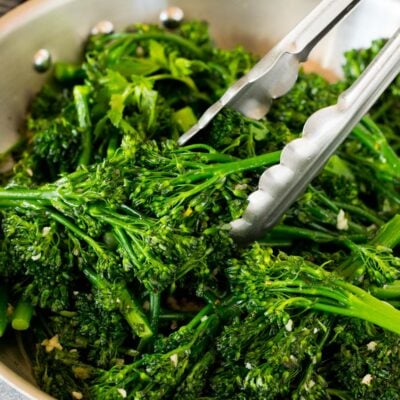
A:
61	26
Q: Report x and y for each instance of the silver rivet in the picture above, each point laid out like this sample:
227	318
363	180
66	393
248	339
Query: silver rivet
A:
171	17
103	27
42	60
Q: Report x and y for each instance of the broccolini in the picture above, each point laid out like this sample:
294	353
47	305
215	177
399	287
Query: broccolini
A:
116	261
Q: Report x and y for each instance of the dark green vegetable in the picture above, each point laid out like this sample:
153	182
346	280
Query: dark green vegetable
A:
3	310
115	253
21	318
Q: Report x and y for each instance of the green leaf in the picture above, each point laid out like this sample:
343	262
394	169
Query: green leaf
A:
117	106
136	66
185	118
157	53
145	98
114	82
183	67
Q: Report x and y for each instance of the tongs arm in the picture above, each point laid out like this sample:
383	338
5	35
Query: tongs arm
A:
275	74
302	159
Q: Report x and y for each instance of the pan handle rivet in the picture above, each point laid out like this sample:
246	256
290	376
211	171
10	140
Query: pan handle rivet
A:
171	17
102	28
42	60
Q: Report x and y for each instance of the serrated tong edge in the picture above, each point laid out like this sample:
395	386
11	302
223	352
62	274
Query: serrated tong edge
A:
303	158
275	74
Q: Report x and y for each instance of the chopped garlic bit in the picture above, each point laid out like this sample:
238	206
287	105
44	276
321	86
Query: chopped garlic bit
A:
205	318
293	359
120	362
36	257
81	373
314	360
241	186
367	379
46	230
289	325
371	346
29	172
308	385
51	344
123	393
342	223
248	365
77	395
174	360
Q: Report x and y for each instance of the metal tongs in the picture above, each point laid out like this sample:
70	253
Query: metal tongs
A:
301	159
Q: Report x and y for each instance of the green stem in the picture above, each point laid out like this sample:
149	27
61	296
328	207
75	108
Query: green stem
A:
288	233
204	312
112	145
78	232
388	236
320	293
394	303
213	171
67	73
341	298
155	300
313	366
7	195
134	249
369	308
387	292
118	38
296	232
175	316
369	134
335	208
340	394
81	100
186	81
126	304
3	310
362	212
21	318
262	161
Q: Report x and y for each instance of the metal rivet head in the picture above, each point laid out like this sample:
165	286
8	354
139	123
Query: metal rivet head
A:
42	60
171	17
103	27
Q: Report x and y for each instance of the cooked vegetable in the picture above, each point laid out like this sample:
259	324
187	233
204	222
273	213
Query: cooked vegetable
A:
3	310
115	249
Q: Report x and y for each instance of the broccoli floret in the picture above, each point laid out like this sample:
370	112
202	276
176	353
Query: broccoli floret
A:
279	283
115	246
366	364
156	375
310	93
36	244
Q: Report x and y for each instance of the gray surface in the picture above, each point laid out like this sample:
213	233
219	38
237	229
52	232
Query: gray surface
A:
7	393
